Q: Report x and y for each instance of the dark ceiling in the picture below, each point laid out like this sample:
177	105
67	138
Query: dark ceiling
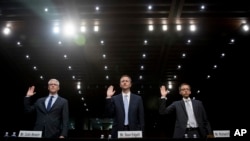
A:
209	60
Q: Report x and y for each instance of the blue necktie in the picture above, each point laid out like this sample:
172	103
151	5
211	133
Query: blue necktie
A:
50	103
125	101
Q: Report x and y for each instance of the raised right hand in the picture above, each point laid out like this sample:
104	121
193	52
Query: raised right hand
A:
30	91
110	91
163	91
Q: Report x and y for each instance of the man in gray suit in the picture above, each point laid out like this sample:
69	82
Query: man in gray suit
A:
191	119
52	112
130	117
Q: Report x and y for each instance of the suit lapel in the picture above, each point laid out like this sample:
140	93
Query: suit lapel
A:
121	102
55	103
42	105
194	104
131	101
184	107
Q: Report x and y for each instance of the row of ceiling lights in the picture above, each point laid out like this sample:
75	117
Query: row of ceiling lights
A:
70	30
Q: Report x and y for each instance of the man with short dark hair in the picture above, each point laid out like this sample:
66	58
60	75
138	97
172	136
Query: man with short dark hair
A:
125	108
191	119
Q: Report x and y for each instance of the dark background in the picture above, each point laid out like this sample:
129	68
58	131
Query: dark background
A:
123	27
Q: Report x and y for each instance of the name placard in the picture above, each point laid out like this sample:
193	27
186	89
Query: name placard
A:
129	134
30	134
221	133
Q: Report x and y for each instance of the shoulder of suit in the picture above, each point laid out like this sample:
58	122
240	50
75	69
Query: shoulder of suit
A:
115	96
196	100
42	99
136	95
178	102
62	98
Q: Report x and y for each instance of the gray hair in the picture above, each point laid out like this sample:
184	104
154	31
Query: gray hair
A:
54	80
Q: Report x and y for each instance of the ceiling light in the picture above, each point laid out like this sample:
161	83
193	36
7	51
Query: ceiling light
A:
183	55
83	29
97	8
41	77
27	57
46	9
170	86
192	27
96	28
105	67
142	67
140	77
150	27
104	56
65	56
69	67
245	27
202	7
179	67
208	76
56	29
69	29
223	54
178	27
34	68
150	7
164	27
107	77
6	31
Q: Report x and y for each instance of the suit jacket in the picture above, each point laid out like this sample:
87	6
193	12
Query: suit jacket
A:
181	117
115	109
53	123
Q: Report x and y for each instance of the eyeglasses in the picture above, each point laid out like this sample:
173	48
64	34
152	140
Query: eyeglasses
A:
53	84
183	89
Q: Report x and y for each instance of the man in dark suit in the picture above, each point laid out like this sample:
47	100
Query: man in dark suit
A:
52	112
191	119
124	118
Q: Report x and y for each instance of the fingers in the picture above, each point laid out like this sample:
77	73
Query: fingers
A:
111	87
32	88
31	91
163	90
163	87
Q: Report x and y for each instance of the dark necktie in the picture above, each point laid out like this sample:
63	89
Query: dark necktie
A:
50	103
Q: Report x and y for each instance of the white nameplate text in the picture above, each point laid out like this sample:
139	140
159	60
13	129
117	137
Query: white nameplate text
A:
30	134
221	133
129	134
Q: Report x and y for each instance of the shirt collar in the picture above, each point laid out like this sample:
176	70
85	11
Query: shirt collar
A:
54	95
128	94
186	99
